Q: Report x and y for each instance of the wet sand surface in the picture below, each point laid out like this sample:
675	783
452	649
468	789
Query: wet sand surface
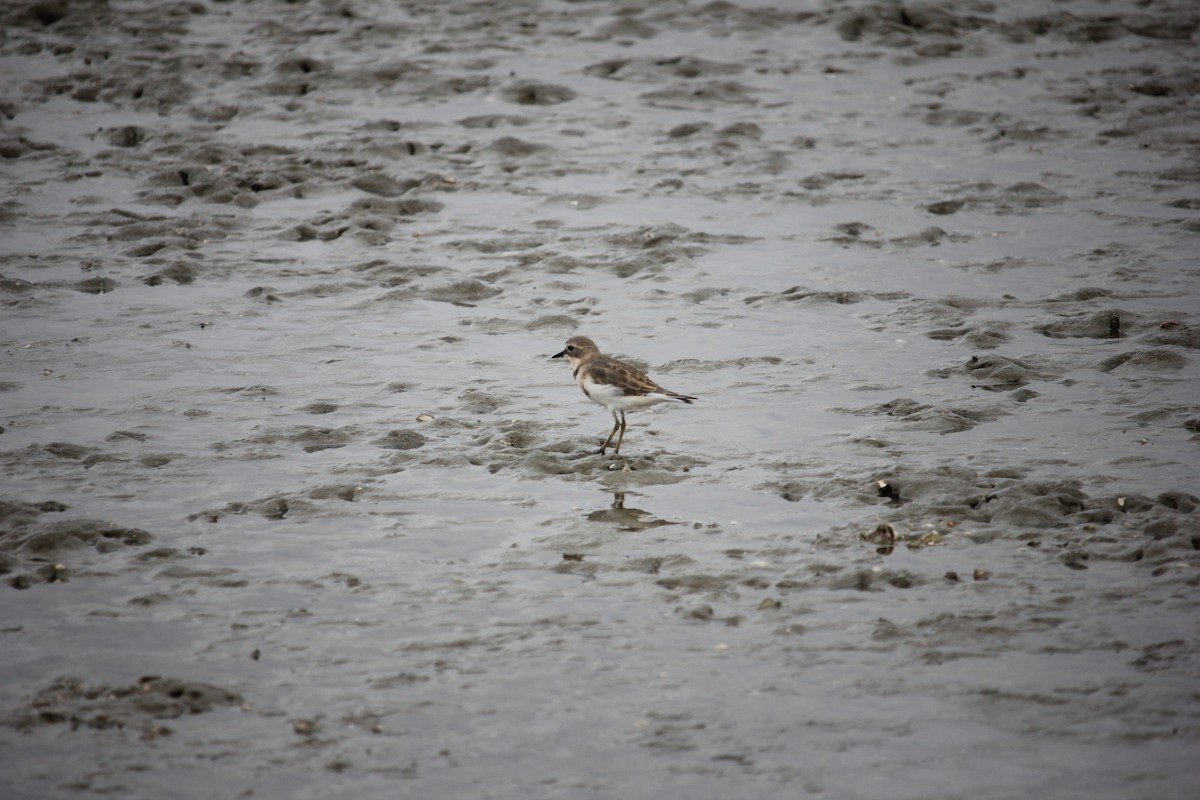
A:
295	504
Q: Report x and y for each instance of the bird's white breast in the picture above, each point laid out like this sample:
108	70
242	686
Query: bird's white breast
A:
614	398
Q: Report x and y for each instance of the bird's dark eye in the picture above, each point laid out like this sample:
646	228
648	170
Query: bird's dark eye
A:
570	347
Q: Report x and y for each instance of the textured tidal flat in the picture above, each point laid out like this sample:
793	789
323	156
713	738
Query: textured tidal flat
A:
293	502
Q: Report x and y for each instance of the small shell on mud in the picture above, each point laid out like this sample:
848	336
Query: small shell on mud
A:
425	418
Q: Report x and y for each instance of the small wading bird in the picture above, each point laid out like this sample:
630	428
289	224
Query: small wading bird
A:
613	384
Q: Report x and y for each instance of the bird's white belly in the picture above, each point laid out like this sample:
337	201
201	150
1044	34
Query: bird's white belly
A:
614	399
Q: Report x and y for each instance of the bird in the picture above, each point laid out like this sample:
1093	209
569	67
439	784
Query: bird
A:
612	383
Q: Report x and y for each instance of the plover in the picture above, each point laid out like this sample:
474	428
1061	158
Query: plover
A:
613	384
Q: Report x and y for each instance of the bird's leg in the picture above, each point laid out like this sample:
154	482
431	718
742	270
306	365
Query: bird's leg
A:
620	438
616	425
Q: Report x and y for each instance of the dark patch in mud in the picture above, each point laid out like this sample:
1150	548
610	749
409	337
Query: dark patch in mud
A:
76	704
34	550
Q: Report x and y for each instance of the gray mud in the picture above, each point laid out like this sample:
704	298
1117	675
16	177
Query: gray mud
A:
294	503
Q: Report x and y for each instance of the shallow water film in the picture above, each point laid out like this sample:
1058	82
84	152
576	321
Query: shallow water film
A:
294	502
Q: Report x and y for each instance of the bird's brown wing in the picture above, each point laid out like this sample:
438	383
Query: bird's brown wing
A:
631	380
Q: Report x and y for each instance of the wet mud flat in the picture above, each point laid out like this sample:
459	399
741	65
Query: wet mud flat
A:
294	503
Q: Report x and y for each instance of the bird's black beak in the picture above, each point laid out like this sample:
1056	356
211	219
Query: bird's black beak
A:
559	355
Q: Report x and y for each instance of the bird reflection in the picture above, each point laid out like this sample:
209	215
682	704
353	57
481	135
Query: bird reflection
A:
627	519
